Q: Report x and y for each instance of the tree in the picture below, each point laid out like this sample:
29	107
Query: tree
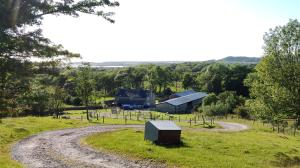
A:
275	86
85	86
57	96
188	81
213	78
18	44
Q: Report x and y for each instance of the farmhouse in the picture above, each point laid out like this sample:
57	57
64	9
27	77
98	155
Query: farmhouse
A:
163	132
183	104
135	97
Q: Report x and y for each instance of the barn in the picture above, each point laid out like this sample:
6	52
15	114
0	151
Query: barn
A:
181	105
135	98
162	132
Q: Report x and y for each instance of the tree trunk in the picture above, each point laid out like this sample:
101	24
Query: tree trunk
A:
296	126
87	111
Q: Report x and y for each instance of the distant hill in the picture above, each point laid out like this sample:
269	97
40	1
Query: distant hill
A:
123	64
227	60
240	59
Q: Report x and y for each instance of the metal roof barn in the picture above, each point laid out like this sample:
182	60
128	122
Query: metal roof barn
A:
185	99
162	132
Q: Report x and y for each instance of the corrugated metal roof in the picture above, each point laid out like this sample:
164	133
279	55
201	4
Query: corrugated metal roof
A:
164	125
185	99
185	93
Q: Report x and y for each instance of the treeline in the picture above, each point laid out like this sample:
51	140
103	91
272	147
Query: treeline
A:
53	86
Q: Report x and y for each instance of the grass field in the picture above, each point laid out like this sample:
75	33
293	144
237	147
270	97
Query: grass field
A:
258	147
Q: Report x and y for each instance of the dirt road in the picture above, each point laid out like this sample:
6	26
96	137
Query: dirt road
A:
62	149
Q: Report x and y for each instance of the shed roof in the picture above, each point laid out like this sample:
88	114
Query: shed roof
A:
185	99
185	93
164	125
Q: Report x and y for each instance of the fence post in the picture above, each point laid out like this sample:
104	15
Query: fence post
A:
190	122
103	119
203	119
97	116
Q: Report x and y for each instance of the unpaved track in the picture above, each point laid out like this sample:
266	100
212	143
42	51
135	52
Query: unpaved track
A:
62	149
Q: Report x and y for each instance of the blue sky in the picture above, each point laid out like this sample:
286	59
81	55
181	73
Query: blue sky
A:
173	30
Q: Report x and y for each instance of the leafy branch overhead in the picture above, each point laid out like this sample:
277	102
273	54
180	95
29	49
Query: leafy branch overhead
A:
16	15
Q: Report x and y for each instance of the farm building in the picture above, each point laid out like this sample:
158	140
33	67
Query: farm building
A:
163	132
135	97
183	104
180	94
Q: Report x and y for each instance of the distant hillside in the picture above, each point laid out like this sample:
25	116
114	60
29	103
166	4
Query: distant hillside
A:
227	60
240	59
123	64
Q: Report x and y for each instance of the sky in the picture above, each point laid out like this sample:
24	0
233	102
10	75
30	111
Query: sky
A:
172	30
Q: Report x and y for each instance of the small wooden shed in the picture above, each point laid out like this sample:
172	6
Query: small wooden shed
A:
162	132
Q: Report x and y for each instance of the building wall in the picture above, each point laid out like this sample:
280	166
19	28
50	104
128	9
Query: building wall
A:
180	109
165	107
151	132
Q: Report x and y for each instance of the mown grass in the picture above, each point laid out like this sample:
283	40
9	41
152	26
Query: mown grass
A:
258	147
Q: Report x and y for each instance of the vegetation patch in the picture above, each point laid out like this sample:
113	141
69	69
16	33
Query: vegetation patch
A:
253	148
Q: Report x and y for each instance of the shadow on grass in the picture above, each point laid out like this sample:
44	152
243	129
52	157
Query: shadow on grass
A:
284	160
181	144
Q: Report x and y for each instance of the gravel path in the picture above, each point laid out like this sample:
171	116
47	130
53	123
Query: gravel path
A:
62	149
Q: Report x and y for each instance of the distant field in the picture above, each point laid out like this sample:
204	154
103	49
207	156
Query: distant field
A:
258	147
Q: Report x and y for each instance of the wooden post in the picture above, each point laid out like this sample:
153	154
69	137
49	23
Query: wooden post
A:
190	122
203	119
97	116
103	119
295	127
125	120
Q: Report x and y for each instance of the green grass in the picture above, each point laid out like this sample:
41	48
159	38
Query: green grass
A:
14	129
258	147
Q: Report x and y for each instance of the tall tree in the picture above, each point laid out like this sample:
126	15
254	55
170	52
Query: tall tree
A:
18	44
85	86
275	86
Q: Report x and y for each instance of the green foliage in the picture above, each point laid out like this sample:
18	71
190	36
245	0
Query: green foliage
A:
19	45
85	85
242	112
221	105
275	84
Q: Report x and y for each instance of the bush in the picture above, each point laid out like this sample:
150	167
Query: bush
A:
218	109
242	111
